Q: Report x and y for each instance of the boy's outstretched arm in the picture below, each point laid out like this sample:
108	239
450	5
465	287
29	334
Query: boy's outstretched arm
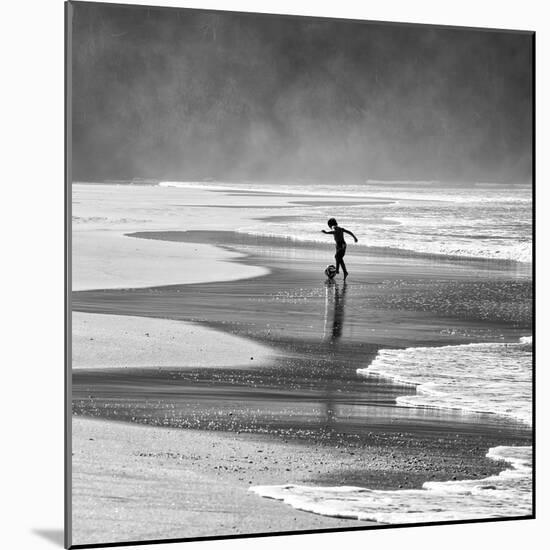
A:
349	233
327	232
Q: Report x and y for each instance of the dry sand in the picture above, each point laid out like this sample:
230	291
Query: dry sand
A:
103	257
121	341
129	263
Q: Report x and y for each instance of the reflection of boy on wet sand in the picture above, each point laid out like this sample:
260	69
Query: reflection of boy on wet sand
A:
338	316
338	233
338	294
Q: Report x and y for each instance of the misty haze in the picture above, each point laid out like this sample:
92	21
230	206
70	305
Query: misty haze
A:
192	95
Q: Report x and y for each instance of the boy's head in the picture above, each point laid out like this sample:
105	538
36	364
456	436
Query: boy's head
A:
332	223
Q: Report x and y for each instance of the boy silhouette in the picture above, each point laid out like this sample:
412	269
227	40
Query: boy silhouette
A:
338	233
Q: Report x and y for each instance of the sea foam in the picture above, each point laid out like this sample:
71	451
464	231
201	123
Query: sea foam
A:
483	378
507	494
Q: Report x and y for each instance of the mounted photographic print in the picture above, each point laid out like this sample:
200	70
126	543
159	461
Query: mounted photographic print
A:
299	278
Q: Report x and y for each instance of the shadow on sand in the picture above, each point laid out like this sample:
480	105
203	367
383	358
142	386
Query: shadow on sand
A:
53	535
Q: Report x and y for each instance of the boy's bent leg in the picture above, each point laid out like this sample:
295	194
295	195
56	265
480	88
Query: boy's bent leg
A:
339	257
345	271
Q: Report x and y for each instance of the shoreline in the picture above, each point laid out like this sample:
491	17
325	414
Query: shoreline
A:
386	302
247	239
434	502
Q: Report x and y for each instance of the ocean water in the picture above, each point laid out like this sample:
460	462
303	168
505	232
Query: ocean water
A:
481	220
483	378
474	378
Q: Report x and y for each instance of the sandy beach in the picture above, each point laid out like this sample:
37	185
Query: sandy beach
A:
110	341
164	429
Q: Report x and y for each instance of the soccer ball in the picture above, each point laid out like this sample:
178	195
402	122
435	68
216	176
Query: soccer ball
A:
330	271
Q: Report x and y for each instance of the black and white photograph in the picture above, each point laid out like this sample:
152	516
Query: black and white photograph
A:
300	274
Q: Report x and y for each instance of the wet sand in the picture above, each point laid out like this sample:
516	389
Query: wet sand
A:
321	333
391	301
